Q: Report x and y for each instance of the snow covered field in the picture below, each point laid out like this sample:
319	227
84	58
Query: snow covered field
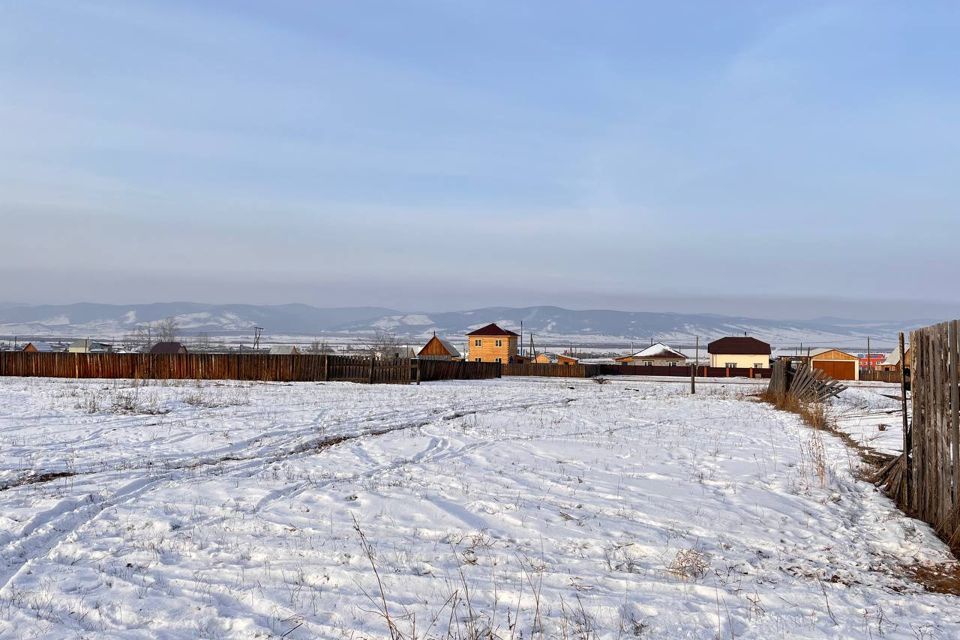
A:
871	413
527	507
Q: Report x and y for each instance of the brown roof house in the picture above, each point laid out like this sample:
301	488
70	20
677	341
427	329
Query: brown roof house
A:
438	349
168	348
738	352
492	344
37	347
656	355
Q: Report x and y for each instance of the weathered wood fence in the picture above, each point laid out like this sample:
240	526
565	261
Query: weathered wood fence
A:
248	366
313	368
804	383
594	370
867	375
932	443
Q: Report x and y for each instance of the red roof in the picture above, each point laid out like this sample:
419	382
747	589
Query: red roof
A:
491	330
739	346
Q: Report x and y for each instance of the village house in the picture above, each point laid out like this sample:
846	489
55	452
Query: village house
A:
438	349
892	361
86	345
168	348
837	364
37	347
492	344
555	358
656	355
739	352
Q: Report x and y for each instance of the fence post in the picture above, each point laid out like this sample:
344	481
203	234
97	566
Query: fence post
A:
418	371
907	444
372	358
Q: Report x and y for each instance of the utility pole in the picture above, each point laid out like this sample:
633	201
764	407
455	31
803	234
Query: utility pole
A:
869	359
257	332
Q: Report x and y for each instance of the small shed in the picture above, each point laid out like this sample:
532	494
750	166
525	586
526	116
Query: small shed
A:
284	350
168	348
438	349
837	364
656	355
37	347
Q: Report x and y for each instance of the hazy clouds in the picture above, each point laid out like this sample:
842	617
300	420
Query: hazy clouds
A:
757	160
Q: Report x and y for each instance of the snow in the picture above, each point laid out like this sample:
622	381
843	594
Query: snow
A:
628	509
871	413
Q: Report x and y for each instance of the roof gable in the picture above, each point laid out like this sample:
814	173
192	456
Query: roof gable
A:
739	346
491	330
168	347
825	350
659	350
435	345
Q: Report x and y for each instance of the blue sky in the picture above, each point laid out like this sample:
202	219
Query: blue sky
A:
440	155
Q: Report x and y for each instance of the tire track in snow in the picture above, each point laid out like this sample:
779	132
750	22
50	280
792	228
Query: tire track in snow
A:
47	529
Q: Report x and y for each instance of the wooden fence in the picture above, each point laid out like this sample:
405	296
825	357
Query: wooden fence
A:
311	368
594	370
932	489
224	366
867	375
804	384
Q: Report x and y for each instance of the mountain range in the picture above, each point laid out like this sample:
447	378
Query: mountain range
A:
550	325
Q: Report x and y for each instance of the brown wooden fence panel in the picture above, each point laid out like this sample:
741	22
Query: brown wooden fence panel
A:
546	370
209	366
307	367
431	370
867	375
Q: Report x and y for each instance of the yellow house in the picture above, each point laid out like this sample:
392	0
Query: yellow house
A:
492	344
739	353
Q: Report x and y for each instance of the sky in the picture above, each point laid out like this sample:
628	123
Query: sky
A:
770	159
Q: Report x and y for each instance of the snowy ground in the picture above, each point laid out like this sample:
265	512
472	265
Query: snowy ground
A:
871	413
526	506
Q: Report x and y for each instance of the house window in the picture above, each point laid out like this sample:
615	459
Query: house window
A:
648	363
758	365
731	365
673	364
478	343
499	343
499	359
477	360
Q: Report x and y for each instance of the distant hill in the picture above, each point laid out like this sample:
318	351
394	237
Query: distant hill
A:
549	324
